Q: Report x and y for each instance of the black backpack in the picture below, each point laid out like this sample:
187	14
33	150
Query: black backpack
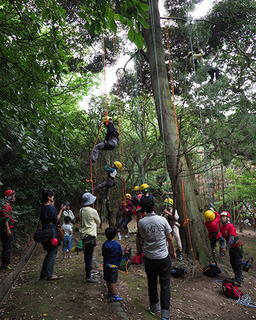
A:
178	272
212	270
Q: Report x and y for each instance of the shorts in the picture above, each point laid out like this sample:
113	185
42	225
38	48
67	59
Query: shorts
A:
110	274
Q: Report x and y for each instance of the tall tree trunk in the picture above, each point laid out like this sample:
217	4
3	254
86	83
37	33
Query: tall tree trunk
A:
166	119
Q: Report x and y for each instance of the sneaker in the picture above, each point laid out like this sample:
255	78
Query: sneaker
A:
119	237
88	163
7	269
115	298
109	294
91	280
213	252
165	318
154	312
180	256
93	271
238	283
127	235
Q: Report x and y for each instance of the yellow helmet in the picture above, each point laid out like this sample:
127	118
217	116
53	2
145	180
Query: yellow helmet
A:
209	215
118	164
128	195
106	118
168	201
144	186
136	188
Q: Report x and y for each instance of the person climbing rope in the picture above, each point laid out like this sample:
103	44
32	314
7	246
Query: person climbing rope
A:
234	245
109	143
212	223
110	178
198	58
174	217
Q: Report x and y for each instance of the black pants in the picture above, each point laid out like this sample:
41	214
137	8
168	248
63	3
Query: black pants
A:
108	184
7	247
236	262
215	71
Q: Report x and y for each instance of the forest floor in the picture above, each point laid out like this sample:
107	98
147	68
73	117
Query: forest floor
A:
196	296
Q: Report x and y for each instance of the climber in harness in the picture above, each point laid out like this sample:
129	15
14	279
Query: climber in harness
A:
212	223
109	143
234	245
214	71
112	171
198	58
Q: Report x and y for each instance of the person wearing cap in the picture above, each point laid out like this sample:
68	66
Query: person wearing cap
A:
89	220
7	230
126	208
112	171
109	143
234	245
212	223
174	217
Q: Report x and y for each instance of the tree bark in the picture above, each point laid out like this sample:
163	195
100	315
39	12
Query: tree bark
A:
166	120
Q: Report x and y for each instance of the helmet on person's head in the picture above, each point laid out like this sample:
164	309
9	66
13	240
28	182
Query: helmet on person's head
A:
136	188
168	201
225	214
144	187
118	164
9	194
209	215
128	195
107	119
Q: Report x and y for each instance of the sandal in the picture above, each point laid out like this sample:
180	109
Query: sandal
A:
55	278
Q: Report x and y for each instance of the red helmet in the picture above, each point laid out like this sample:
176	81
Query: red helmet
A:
9	193
225	214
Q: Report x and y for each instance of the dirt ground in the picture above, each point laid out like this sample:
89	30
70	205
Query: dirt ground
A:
196	296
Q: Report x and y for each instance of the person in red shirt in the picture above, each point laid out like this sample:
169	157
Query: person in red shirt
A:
126	207
212	223
7	230
234	245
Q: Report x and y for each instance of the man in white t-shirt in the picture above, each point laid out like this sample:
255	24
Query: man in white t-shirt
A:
156	232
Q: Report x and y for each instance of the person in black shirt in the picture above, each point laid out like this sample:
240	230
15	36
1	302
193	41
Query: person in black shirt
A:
109	143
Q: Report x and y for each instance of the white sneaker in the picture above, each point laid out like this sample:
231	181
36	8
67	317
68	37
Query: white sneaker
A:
119	237
127	235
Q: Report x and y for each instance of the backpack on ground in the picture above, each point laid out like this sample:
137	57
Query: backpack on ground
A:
231	290
126	260
212	270
248	264
138	258
178	272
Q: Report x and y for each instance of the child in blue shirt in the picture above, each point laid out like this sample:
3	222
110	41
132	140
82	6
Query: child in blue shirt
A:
112	256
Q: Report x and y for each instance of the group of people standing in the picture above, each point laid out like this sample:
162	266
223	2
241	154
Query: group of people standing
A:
225	232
